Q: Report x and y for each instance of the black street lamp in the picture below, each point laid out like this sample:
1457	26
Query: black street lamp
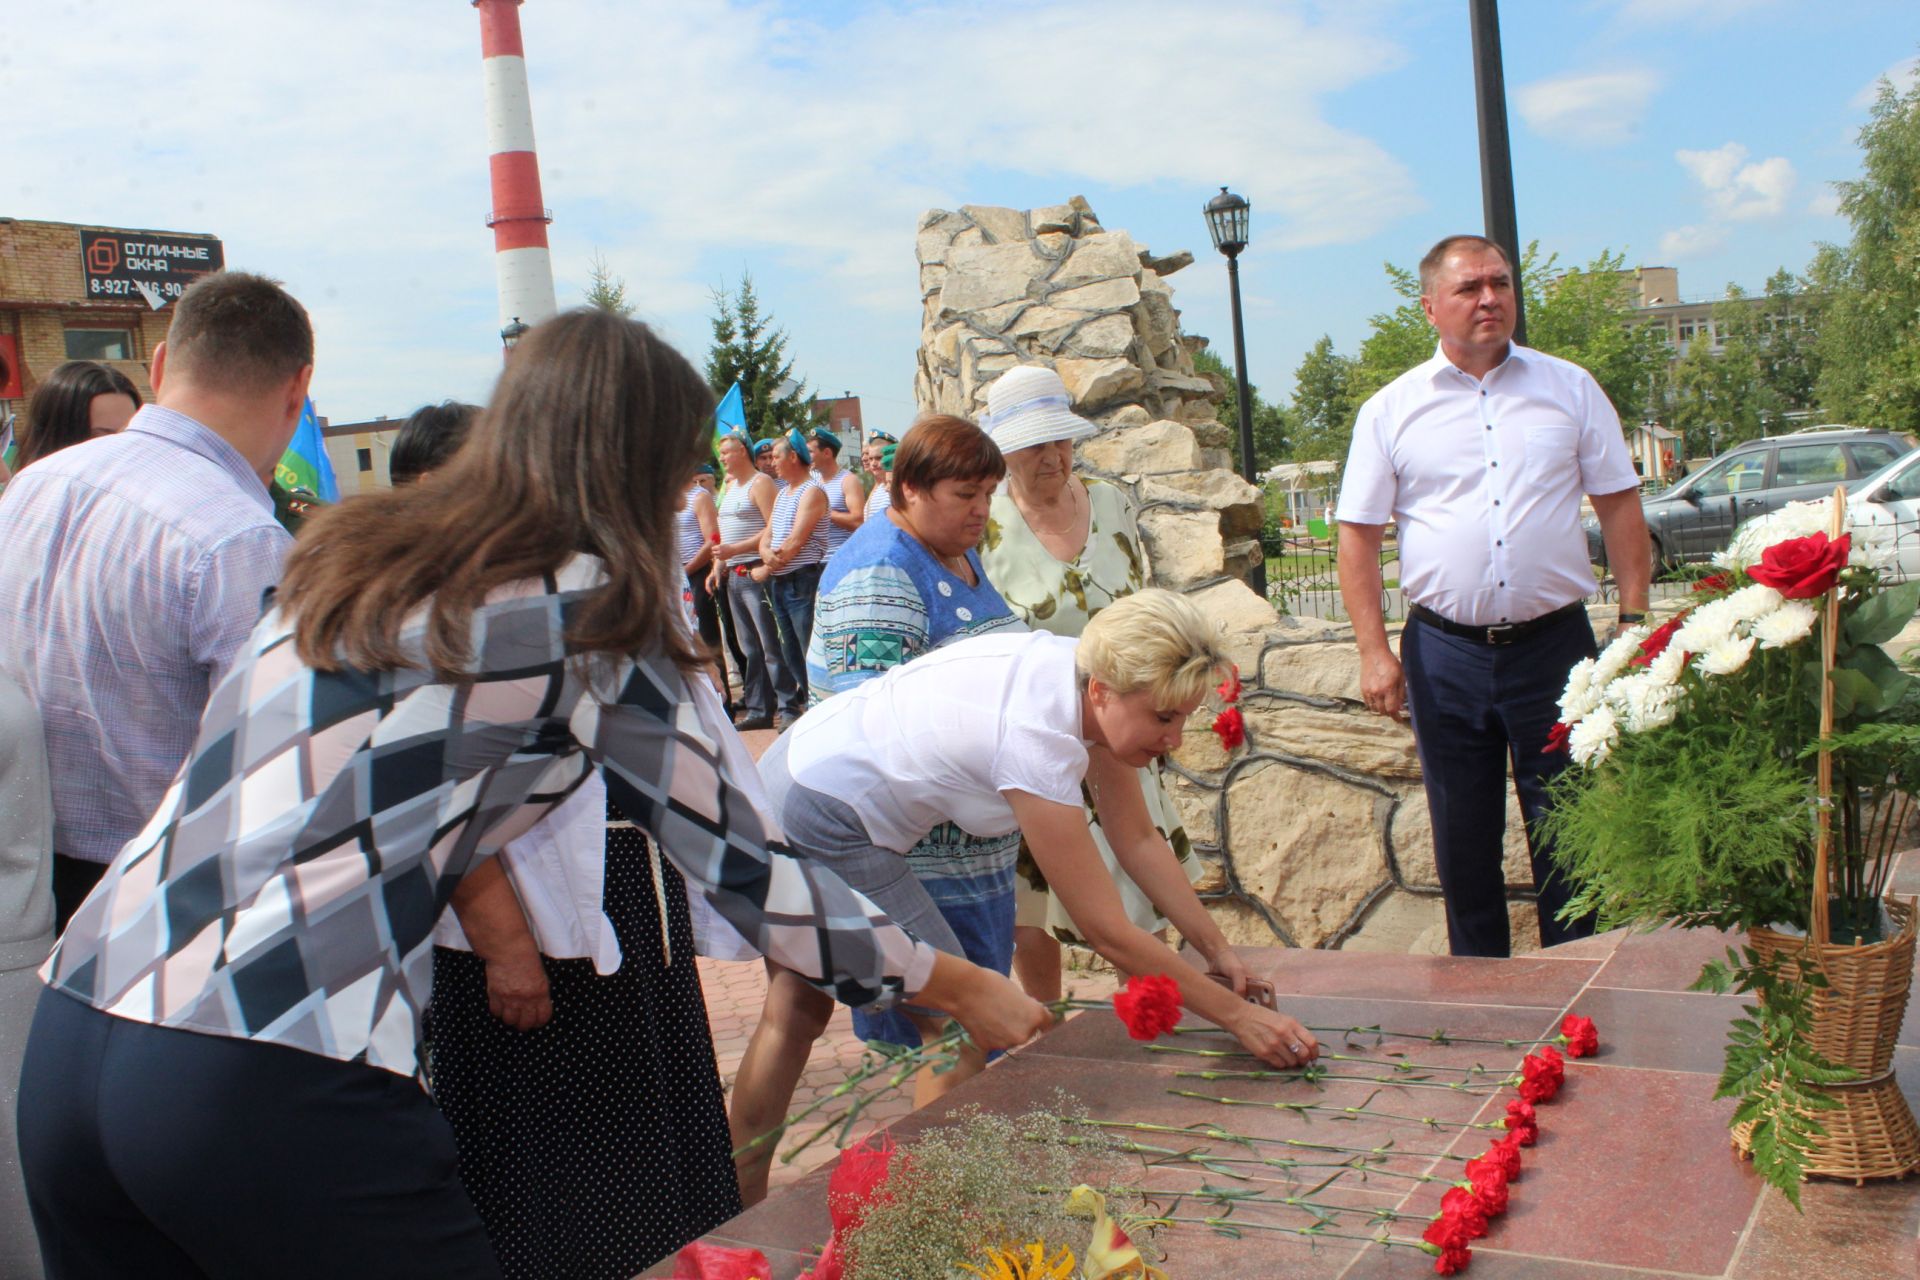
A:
510	336
1227	223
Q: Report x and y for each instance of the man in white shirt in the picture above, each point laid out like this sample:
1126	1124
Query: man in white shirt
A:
1480	456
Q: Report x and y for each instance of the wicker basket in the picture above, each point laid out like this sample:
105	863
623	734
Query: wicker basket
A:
1856	1022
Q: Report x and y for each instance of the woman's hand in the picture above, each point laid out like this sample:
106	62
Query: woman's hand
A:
517	992
1227	963
995	1011
1274	1038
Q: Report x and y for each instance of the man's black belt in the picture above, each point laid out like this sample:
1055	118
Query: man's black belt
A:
1500	633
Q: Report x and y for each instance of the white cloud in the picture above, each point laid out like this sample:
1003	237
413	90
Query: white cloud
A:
1691	242
1710	13
1735	189
1600	108
1904	74
342	147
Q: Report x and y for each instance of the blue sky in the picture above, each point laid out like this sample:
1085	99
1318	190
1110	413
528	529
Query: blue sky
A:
341	147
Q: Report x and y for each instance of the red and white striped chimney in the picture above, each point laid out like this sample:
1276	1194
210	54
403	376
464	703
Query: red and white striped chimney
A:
519	218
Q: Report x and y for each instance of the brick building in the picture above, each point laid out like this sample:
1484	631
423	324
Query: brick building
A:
81	292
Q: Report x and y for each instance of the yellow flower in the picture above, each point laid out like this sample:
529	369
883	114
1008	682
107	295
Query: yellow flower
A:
1008	1264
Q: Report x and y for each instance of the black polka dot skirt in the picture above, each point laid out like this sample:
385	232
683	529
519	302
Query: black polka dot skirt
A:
597	1144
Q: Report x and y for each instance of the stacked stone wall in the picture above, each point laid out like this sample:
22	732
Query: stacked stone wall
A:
1315	832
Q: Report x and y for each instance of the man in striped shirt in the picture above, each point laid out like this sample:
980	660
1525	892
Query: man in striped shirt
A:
135	563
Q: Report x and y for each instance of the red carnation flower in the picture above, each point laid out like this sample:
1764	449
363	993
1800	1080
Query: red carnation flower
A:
1489	1188
1453	1258
1541	1075
1231	728
1802	568
1460	1203
1654	645
1150	1006
1504	1153
1521	1121
1557	738
1449	1231
1718	582
1229	689
1583	1039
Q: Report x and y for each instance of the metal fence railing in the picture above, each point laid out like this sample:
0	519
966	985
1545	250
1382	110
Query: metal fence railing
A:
1303	576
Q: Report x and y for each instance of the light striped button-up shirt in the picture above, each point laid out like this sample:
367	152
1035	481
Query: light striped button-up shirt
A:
131	569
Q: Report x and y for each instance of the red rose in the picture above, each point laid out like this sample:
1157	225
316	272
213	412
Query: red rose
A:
1521	1121
858	1182
1229	689
1557	738
1460	1203
1452	1259
716	1262
1654	645
1231	728
1489	1188
1802	568
1583	1039
1150	1006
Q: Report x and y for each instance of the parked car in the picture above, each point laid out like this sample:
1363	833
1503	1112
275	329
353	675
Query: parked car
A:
1889	501
1697	516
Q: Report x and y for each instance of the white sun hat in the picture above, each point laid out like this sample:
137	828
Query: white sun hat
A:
1029	405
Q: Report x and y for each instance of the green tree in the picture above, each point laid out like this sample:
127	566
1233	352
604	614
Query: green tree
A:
1323	404
747	349
1869	343
1271	427
1586	316
606	290
1717	397
1790	319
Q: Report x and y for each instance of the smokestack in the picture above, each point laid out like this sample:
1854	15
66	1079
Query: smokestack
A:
519	218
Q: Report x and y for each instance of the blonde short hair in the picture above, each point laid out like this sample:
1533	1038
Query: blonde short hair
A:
1155	640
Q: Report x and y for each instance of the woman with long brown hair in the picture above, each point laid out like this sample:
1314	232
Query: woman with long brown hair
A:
242	995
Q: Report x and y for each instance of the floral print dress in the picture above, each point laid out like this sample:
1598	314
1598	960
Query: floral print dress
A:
1061	596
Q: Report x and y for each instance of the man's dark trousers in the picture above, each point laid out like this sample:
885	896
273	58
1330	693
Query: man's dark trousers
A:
1476	708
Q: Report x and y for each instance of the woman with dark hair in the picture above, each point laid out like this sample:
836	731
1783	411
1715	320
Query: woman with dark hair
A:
431	435
442	665
78	401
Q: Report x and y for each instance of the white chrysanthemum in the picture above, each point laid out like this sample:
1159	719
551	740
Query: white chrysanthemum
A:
1575	700
1725	658
1644	702
1791	623
1752	602
1667	667
1614	658
1709	625
1873	547
1591	739
1795	520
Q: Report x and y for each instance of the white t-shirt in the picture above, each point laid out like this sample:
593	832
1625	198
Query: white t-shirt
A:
940	738
1484	478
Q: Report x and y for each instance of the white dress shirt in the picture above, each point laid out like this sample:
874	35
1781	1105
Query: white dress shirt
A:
1484	477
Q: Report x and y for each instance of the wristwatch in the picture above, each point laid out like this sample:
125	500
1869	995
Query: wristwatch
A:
1628	619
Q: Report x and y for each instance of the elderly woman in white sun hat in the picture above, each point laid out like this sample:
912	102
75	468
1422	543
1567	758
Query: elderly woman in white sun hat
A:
1060	548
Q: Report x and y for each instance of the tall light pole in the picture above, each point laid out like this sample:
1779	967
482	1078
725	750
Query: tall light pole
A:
1227	216
1496	150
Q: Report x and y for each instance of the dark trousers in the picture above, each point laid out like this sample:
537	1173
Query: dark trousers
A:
712	624
792	595
73	880
168	1154
764	678
1478	709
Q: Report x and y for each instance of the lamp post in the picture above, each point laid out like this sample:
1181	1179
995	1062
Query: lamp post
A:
510	336
1227	224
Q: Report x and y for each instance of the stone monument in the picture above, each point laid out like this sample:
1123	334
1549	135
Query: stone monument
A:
1315	832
